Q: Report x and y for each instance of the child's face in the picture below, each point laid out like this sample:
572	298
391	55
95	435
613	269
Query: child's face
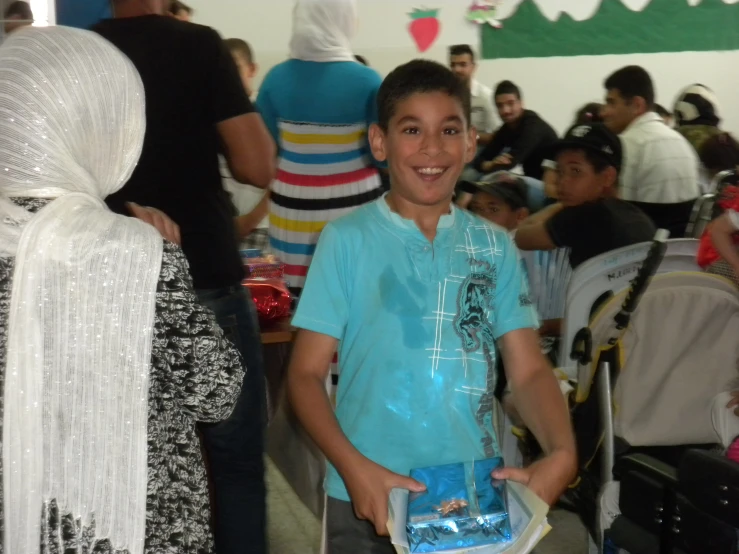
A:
247	70
577	180
427	144
497	211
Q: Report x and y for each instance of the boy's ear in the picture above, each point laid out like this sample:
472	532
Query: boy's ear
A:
254	68
377	142
521	214
471	145
610	181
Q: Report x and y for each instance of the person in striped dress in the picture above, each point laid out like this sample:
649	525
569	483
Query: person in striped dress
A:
318	105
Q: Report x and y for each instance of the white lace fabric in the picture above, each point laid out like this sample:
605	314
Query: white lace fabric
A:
72	123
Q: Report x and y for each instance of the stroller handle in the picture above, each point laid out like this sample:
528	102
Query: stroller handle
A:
643	277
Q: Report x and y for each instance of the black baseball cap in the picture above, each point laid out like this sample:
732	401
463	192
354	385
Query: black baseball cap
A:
507	187
593	137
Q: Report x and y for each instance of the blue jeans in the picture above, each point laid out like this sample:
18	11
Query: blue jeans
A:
235	447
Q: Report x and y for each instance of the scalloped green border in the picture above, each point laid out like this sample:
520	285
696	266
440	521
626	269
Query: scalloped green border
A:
663	26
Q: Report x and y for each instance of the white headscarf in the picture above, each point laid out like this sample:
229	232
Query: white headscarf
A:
72	123
323	29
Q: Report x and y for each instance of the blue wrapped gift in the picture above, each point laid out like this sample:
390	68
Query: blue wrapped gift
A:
462	507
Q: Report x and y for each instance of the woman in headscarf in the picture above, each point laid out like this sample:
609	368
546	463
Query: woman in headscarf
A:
696	115
106	356
318	106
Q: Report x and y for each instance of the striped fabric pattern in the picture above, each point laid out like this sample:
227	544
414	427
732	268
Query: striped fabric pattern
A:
324	172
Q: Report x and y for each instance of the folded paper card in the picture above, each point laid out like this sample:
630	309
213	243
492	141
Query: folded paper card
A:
463	506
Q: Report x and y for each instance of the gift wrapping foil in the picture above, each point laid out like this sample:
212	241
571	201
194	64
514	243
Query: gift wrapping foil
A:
482	521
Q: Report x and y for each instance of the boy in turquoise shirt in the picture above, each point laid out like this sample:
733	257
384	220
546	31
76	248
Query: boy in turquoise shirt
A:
415	293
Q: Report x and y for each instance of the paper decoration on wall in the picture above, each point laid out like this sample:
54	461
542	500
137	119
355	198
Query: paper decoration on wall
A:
661	26
483	12
424	27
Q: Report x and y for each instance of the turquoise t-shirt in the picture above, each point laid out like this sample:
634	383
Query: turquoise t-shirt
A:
417	324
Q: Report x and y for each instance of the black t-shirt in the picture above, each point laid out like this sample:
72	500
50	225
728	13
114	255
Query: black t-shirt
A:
191	84
599	227
528	143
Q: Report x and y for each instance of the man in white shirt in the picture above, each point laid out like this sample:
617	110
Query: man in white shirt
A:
462	62
660	169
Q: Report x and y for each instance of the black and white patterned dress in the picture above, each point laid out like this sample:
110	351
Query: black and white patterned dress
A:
196	375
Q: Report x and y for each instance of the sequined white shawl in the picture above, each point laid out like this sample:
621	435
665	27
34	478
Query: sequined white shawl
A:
72	125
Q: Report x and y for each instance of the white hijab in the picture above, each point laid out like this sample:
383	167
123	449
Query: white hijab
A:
323	29
72	125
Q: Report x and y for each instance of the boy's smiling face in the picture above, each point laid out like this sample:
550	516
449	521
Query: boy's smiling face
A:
427	144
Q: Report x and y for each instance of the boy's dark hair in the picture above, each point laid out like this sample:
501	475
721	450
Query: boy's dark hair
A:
598	161
461	50
175	7
632	81
589	113
720	152
361	59
419	77
241	47
662	111
20	10
507	87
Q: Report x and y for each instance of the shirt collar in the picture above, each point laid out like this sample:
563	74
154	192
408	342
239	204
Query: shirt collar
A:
644	119
445	222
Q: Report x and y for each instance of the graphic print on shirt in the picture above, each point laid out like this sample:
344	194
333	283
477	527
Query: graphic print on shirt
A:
475	300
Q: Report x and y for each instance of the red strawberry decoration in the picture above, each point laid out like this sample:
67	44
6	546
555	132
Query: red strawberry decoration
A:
424	28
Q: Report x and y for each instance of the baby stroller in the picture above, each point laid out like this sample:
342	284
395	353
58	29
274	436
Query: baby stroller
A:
641	389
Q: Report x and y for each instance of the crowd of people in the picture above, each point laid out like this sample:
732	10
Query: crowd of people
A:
398	208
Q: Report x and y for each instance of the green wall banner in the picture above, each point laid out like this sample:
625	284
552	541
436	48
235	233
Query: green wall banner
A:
662	26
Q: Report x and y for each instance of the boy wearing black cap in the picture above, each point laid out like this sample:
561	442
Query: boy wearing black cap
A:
503	201
588	219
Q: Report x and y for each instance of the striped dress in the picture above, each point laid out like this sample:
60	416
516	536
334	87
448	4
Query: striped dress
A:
319	114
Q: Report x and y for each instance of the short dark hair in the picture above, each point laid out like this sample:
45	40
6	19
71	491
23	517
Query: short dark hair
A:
419	77
361	59
720	152
241	47
632	81
20	10
461	50
507	87
175	7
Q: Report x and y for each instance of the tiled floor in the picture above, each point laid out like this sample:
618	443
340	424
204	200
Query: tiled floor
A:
294	530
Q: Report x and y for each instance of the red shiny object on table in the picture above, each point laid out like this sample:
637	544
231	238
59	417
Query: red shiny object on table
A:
271	298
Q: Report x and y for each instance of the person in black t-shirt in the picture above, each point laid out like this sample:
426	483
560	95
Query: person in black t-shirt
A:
523	139
196	106
588	219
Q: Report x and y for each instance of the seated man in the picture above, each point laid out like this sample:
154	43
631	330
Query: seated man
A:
588	219
523	139
660	169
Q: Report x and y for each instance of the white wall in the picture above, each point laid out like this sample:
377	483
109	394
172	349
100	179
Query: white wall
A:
555	87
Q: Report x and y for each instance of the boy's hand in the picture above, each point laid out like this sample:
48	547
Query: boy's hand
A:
369	486
734	403
548	478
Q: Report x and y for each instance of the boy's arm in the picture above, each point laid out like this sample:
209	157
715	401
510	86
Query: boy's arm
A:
722	232
368	484
540	403
246	223
533	232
